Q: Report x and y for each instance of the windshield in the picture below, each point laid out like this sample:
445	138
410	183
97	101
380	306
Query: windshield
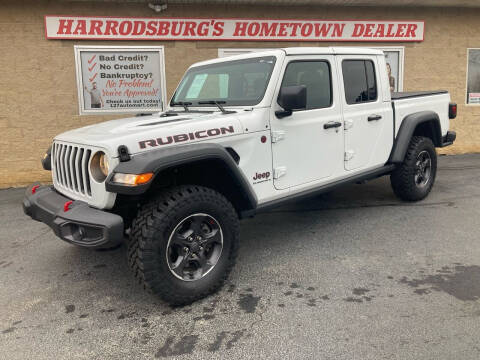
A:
239	82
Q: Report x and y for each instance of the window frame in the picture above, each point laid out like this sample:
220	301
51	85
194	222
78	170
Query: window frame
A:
180	86
330	75
466	79
364	60
401	62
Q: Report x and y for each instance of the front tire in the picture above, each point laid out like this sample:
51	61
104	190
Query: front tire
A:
184	243
414	178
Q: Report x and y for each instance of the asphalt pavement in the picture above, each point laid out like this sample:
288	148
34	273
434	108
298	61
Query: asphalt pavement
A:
352	274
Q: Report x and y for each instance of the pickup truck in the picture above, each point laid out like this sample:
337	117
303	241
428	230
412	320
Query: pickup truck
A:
241	135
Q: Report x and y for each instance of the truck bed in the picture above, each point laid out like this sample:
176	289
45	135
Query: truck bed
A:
406	103
413	94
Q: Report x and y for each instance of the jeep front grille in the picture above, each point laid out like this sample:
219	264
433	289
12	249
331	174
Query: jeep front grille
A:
70	168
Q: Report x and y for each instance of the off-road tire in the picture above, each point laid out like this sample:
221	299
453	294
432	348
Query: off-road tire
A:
403	177
150	233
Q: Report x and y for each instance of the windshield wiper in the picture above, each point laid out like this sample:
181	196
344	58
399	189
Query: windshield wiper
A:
185	104
218	103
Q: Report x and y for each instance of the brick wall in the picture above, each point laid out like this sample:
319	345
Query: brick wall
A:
38	95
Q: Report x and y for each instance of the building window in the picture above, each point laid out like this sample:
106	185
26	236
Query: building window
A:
315	76
394	57
359	81
473	77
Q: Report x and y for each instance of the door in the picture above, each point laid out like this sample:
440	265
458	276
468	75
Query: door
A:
364	113
307	146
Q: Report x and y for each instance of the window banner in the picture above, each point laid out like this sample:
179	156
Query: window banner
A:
125	28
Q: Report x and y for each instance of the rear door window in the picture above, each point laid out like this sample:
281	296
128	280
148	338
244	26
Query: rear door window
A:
359	81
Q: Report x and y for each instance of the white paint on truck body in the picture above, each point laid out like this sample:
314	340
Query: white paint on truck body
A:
306	155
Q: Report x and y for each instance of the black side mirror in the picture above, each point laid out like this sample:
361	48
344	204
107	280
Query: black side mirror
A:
291	98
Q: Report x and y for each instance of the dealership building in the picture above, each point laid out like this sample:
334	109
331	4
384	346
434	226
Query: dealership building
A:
72	63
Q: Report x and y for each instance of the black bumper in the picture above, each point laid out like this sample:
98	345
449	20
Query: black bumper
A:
80	224
449	138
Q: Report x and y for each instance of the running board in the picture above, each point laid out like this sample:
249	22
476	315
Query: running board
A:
365	176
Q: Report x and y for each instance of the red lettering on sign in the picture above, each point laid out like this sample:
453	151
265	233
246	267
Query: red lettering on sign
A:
95	27
111	27
268	29
400	30
189	28
203	28
240	28
65	27
358	30
81	28
411	30
163	28
218	28
138	27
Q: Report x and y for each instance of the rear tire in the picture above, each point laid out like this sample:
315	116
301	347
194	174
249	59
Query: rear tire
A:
184	243
413	179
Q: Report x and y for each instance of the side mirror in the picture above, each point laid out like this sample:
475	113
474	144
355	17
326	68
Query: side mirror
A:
291	98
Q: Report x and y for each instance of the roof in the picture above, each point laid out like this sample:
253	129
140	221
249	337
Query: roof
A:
297	51
332	51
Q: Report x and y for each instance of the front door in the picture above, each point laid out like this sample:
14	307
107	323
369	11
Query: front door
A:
307	146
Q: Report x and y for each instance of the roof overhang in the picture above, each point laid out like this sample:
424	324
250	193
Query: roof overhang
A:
380	3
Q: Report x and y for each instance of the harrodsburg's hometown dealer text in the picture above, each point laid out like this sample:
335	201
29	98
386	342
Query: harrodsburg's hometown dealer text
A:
120	80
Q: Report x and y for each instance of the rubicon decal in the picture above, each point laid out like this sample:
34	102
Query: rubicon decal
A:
201	134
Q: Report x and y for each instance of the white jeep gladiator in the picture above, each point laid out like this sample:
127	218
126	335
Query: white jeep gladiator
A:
241	135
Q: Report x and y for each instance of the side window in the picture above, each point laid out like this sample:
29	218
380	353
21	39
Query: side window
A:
315	76
359	81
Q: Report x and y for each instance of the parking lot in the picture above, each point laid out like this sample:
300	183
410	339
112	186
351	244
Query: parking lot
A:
352	274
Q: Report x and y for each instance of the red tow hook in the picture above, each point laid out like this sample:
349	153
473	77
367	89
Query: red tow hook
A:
66	206
34	189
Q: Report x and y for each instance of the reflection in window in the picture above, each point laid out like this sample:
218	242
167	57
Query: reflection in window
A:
359	81
315	76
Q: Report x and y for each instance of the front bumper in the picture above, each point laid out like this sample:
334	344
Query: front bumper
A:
80	224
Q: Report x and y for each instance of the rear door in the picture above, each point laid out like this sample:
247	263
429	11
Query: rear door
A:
367	119
307	146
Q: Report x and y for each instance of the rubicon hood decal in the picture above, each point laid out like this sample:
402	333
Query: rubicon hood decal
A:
186	137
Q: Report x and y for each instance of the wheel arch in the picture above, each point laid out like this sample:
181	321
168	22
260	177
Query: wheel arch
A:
423	123
210	165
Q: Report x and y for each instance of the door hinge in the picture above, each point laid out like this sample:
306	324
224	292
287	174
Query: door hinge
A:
349	155
279	172
277	136
348	124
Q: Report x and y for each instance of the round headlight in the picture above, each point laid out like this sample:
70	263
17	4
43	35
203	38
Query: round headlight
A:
99	166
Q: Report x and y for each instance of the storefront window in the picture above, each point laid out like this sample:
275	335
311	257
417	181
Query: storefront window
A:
473	77
241	82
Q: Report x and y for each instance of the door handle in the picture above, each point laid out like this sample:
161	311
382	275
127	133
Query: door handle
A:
374	117
332	124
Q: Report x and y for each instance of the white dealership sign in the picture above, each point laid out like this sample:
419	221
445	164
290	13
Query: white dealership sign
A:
113	79
130	28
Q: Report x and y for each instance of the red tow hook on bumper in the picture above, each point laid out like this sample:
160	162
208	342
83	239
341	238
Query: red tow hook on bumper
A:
66	206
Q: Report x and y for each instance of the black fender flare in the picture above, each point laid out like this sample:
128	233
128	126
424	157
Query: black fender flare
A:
405	133
156	161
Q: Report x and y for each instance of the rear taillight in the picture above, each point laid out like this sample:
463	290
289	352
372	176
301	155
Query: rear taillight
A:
452	111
